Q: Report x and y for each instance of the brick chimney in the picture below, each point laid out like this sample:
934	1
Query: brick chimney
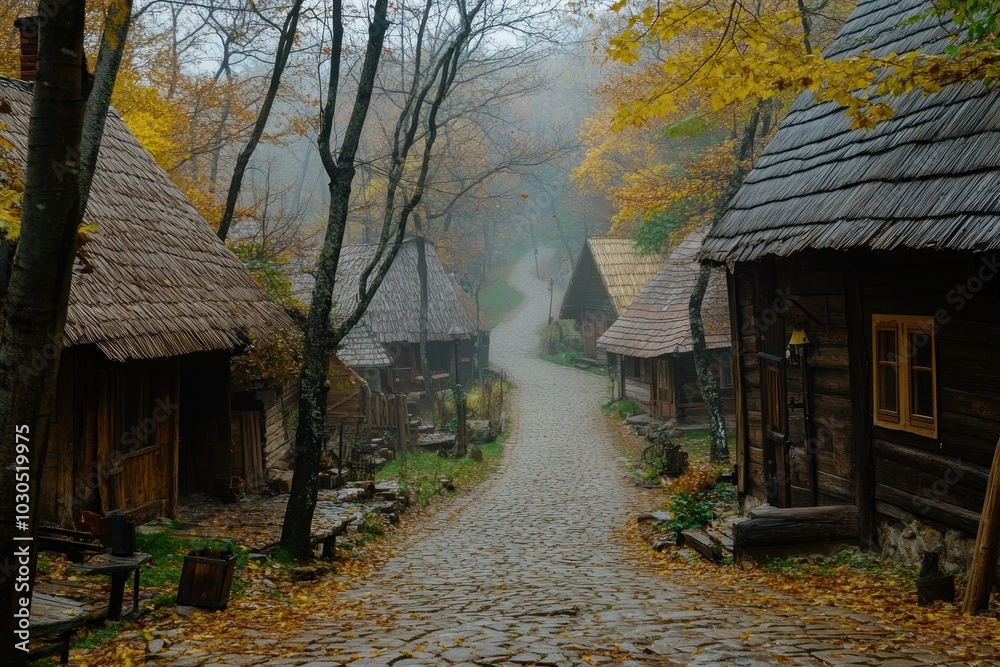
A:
28	27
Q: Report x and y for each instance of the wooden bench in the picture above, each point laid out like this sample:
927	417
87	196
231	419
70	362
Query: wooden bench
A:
328	538
76	544
119	567
52	615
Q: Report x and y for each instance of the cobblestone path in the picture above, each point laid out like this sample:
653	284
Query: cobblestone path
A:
527	569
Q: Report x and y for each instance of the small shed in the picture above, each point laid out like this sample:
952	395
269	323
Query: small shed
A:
862	278
650	347
607	277
157	306
393	316
364	354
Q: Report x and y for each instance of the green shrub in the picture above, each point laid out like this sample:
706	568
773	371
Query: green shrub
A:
689	512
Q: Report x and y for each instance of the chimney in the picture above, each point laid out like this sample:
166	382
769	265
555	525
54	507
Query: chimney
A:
28	27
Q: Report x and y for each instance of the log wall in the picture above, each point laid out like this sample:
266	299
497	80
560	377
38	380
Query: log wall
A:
938	481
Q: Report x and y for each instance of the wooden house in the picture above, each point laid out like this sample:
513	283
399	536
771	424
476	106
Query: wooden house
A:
650	349
157	305
272	411
607	276
393	316
879	252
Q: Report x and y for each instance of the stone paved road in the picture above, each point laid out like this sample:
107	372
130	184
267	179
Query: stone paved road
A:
527	569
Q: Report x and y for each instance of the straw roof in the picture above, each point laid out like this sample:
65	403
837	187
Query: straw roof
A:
155	280
394	312
622	270
360	349
928	178
658	323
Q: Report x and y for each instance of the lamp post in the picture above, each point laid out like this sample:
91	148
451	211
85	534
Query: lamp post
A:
456	335
552	281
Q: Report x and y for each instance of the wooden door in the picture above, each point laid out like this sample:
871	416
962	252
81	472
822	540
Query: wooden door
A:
590	337
775	413
248	455
137	420
664	396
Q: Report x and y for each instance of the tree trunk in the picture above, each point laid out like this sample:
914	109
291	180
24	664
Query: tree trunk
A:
706	380
38	293
109	60
309	443
427	399
285	43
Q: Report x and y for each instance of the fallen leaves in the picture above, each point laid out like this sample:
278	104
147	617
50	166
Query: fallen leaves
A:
884	597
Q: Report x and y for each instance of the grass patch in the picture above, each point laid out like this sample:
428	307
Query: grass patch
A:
96	637
568	358
168	551
497	300
622	408
834	565
420	474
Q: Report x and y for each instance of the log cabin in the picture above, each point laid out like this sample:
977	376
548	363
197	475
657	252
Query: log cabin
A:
650	349
157	306
865	306
607	277
266	414
393	316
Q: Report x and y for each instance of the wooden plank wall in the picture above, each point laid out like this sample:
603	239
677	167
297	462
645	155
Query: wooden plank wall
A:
688	391
745	339
941	480
814	300
113	444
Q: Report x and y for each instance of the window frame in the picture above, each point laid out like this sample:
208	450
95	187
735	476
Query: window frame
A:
726	378
904	419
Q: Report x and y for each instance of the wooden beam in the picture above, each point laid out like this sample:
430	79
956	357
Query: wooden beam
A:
777	526
984	558
742	444
864	468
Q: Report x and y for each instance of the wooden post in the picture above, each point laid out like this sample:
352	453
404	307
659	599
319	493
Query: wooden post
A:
461	438
402	426
984	558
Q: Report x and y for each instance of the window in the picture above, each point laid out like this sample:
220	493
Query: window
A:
904	373
775	416
725	372
634	368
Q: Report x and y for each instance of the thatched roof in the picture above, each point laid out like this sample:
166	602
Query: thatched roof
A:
360	349
394	313
928	178
155	280
622	270
657	322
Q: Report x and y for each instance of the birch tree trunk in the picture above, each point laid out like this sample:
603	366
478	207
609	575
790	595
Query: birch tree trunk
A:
719	451
38	293
706	381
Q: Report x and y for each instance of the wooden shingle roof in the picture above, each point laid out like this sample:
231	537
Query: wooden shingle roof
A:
657	322
394	313
929	178
155	281
623	271
360	349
